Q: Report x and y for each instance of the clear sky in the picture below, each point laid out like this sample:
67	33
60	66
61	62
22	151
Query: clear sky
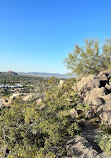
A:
36	35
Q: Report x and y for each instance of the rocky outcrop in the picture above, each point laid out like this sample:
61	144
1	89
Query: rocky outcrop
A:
96	92
79	147
85	146
108	87
95	96
86	84
12	73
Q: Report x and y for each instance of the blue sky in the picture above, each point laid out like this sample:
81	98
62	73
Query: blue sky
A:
36	35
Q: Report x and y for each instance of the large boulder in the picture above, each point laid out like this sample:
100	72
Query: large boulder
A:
105	114
101	104
96	92
79	147
104	77
86	84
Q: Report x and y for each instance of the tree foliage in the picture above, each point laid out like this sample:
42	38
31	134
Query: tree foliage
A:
90	58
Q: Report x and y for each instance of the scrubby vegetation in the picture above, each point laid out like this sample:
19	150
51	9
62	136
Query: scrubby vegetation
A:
104	142
27	130
31	130
44	113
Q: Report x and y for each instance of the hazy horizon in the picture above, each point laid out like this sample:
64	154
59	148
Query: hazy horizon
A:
36	36
34	72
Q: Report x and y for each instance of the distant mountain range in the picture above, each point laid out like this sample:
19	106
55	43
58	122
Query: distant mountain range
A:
45	74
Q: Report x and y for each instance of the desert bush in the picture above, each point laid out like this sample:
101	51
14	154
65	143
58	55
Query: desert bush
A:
28	131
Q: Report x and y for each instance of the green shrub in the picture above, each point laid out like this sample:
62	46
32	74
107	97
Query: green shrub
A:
28	131
104	142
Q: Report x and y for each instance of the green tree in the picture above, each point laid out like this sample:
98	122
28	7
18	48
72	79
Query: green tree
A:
90	58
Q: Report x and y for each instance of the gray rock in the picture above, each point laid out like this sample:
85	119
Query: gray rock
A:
89	114
95	95
108	87
79	147
86	84
102	106
103	76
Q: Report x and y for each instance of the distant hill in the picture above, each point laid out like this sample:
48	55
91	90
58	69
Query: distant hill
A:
45	74
9	73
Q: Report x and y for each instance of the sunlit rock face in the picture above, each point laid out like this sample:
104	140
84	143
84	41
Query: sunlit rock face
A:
96	92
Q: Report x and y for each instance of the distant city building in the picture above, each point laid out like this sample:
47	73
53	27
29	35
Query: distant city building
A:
9	86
